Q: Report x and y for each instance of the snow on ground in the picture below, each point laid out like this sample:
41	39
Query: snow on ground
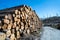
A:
50	34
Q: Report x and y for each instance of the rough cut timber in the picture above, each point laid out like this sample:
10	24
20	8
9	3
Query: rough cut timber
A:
18	22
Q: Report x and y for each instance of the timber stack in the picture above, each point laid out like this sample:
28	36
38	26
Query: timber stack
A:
19	22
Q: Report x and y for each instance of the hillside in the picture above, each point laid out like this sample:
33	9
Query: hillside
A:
52	21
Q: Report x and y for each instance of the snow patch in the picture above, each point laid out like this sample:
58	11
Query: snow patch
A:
50	34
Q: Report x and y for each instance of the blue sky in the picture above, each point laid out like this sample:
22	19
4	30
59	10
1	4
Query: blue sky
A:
43	8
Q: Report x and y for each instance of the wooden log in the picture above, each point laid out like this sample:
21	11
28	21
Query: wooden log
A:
30	13
9	16
0	21
23	14
29	8
14	15
33	27
18	23
26	16
18	16
29	22
21	9
18	20
18	34
17	28
27	11
15	19
26	26
22	27
14	25
20	30
2	36
6	21
13	30
16	12
22	24
0	27
8	33
28	31
6	16
19	12
9	26
4	27
23	17
12	36
0	24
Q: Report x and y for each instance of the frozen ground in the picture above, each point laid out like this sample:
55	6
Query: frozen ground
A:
50	34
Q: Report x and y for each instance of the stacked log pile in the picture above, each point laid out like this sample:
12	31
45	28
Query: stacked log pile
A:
22	23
